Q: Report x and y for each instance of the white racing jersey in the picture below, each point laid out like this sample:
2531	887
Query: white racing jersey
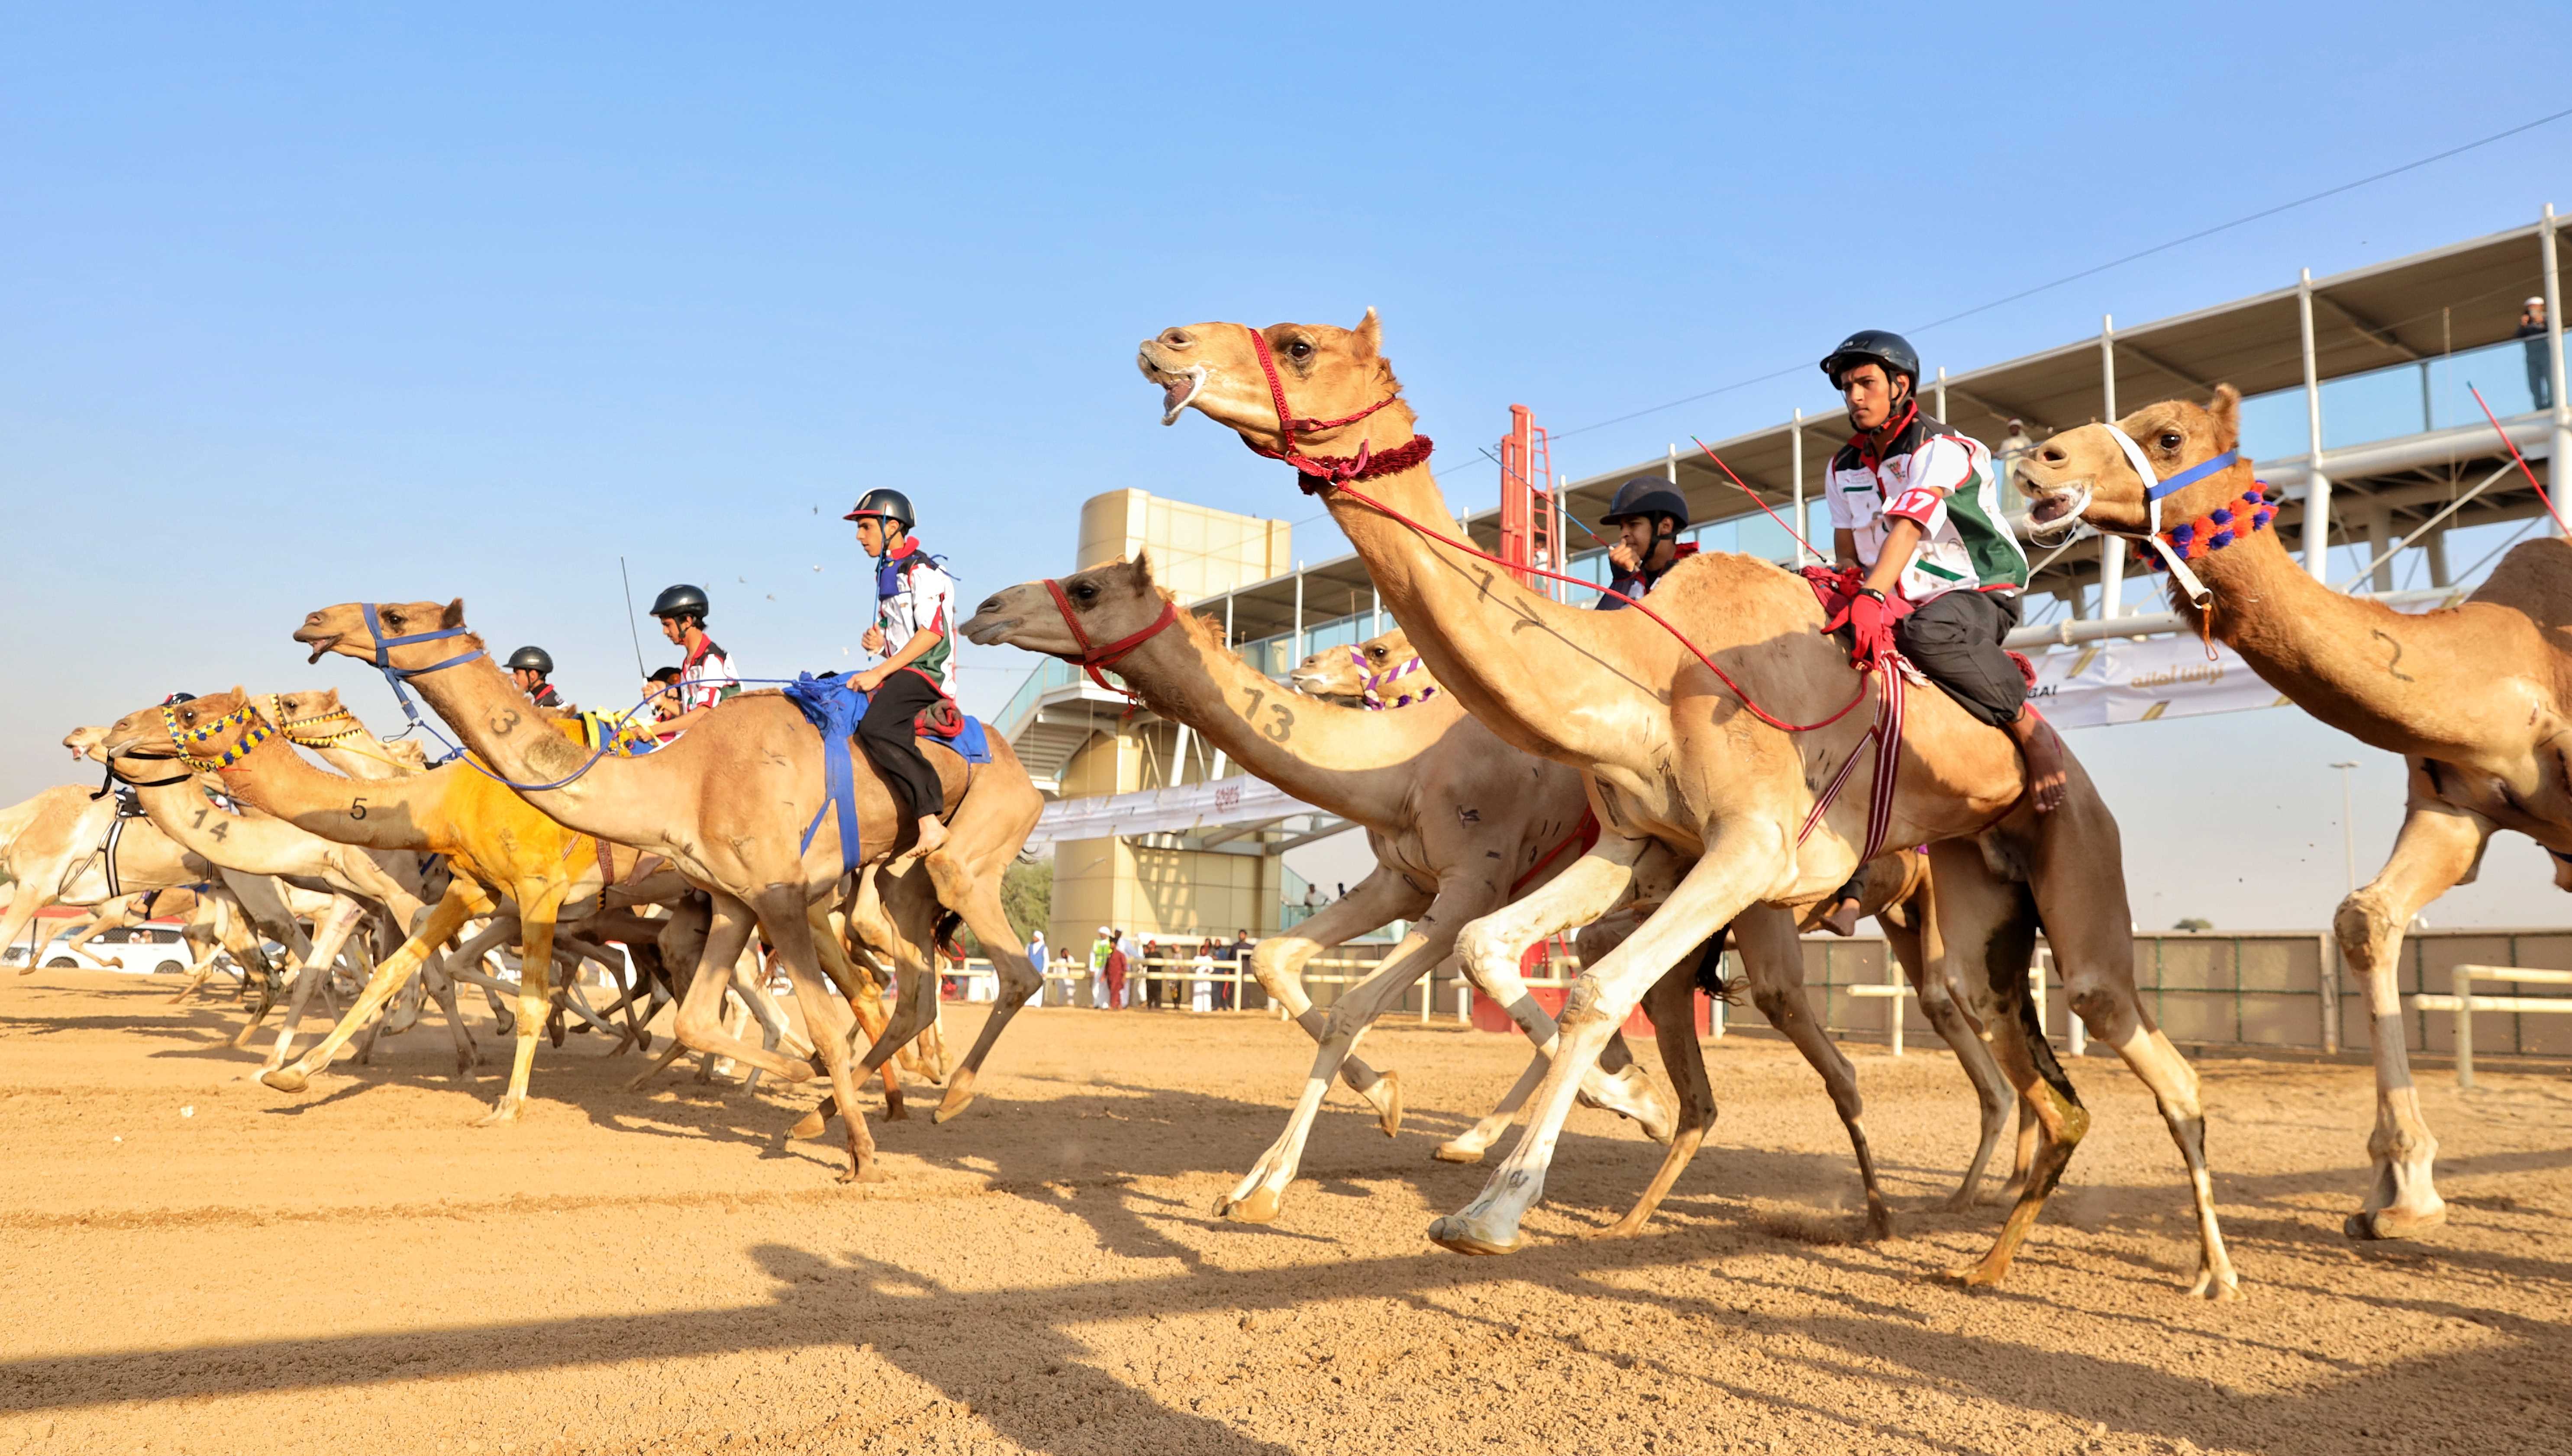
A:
706	678
914	595
1943	481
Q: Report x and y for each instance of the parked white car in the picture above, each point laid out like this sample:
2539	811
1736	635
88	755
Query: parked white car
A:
141	951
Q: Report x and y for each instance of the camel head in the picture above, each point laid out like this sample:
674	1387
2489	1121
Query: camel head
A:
1343	672
142	738
342	630
1327	373
2083	472
85	742
1113	602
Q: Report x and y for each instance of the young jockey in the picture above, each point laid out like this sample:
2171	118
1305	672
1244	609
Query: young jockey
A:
530	665
915	631
1915	507
1649	514
706	675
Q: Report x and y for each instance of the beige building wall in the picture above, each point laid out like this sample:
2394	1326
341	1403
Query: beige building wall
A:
1197	552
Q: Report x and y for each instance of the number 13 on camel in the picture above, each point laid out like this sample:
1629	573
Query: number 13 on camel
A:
1690	751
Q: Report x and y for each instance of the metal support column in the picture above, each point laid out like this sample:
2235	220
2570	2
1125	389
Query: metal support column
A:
1375	612
2317	491
2379	535
1670	470
1942	395
1295	644
2559	468
2434	545
2112	548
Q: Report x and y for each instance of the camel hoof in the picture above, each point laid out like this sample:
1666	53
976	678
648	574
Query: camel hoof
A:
1451	1152
1879	1221
951	1108
1390	1116
284	1079
1459	1235
810	1127
2223	1291
1977	1275
503	1112
2392	1223
896	1111
1262	1207
867	1172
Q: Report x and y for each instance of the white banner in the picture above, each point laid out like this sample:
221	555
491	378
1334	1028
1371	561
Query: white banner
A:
1223	803
2103	683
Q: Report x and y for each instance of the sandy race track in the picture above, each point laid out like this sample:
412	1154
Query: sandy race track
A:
195	1263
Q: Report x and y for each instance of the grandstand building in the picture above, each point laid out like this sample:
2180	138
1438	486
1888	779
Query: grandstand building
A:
2359	407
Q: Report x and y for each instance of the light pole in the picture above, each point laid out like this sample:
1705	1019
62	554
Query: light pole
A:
2347	833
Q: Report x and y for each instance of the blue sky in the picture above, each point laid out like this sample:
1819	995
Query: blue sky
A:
310	305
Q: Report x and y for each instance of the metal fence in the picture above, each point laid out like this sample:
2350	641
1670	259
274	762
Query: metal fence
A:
2208	988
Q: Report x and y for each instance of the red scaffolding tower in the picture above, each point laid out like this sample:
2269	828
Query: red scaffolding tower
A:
1531	521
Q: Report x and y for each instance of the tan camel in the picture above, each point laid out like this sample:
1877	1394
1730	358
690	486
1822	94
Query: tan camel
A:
359	881
54	850
2477	699
1442	801
729	804
506	849
1676	755
1379	673
1458	820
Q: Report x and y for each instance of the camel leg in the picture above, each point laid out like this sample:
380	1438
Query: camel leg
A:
24	902
2439	847
537	904
700	1023
1489	949
327	939
1262	1192
460	900
866	1003
976	897
1774	962
443	990
1672	1004
782	917
1278	964
1922	955
1740	863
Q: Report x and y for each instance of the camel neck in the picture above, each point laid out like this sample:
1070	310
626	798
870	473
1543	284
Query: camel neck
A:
392	813
621	800
1524	664
1357	764
2333	653
255	845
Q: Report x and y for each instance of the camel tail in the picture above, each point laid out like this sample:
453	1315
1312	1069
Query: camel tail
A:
1710	969
944	936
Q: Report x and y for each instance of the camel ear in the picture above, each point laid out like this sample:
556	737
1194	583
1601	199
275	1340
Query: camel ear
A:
1368	336
241	692
1142	568
2226	407
454	613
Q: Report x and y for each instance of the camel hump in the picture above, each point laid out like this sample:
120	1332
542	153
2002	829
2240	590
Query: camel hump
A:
2534	578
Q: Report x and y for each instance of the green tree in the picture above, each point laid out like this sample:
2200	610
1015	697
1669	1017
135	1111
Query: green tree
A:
2193	923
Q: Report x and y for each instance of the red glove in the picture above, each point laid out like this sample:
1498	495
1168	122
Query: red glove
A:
1870	624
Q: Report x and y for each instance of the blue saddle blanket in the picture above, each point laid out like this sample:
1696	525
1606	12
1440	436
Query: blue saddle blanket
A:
833	708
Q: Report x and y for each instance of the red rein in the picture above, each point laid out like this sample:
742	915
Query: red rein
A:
1092	658
1333	469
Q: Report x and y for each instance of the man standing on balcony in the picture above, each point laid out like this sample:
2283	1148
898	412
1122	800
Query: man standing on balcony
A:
2540	365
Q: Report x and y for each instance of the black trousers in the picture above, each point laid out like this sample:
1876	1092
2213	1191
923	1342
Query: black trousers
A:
893	745
1955	640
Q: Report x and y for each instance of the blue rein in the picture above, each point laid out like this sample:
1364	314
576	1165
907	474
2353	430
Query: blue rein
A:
2187	477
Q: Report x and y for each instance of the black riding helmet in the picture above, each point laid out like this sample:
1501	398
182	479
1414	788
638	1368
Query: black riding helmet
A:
1647	495
1876	345
682	601
534	660
890	504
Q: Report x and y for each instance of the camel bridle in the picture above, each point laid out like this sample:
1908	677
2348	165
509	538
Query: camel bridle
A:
395	678
306	732
254	731
2156	490
1329	470
1092	658
1371	684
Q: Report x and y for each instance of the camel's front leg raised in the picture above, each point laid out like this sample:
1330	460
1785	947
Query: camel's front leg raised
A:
1462	896
976	897
328	937
462	900
1381	898
2439	847
1489	949
1739	866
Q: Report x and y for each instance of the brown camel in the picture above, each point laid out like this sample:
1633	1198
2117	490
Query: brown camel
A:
1439	797
729	804
1459	824
1677	755
2475	698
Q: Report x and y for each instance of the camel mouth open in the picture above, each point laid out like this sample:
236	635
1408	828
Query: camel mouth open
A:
2055	515
1179	390
320	645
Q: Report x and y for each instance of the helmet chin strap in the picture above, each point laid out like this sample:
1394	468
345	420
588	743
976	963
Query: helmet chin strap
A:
2155	488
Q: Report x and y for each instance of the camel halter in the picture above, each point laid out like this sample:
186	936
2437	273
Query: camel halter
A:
299	730
2155	488
1091	658
1334	469
254	731
1370	695
395	677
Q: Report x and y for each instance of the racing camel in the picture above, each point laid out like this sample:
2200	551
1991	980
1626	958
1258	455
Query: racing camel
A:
729	804
2477	699
1716	734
